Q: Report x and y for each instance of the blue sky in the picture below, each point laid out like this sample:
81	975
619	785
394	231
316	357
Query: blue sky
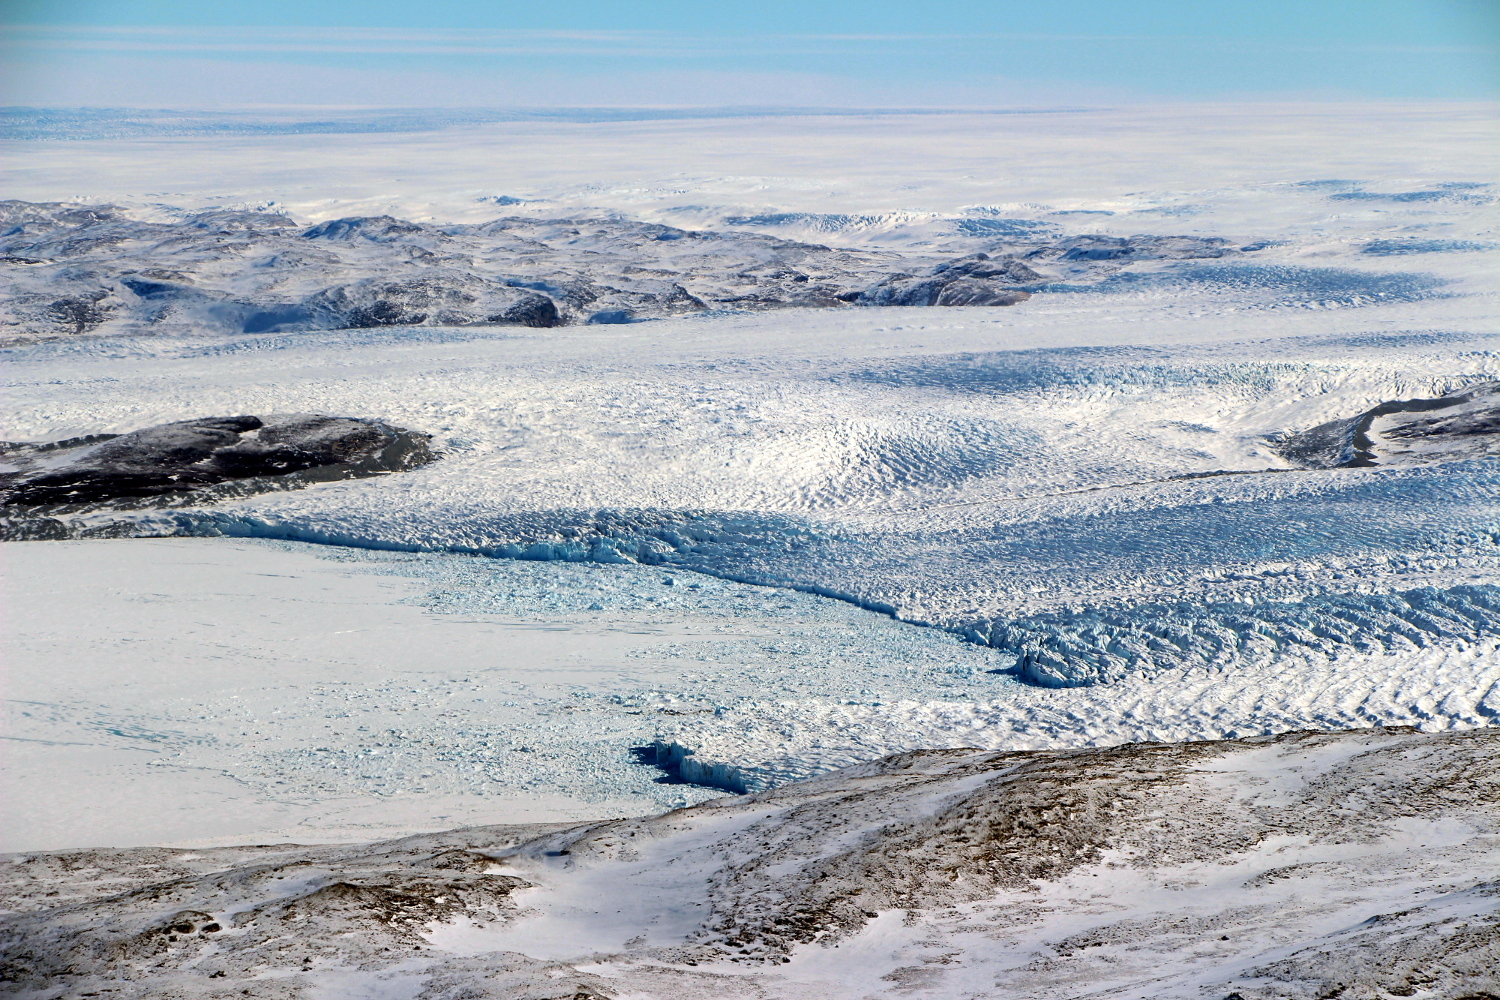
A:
170	53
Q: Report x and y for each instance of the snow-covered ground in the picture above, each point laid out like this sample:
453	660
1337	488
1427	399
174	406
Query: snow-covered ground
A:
1362	864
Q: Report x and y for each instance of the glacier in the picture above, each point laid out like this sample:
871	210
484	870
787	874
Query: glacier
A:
1204	445
1004	496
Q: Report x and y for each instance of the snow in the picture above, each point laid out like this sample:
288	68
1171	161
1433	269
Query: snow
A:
1279	867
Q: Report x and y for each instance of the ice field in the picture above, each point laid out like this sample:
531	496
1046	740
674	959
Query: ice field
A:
1048	478
221	691
224	690
682	484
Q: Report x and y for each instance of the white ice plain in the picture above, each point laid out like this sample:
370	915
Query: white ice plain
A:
772	544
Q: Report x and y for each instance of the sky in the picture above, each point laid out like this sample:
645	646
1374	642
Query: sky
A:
861	53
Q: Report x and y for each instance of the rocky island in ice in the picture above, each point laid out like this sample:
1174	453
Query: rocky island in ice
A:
186	460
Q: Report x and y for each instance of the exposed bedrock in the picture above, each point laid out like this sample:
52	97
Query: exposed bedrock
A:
973	281
186	459
1464	424
1302	865
71	270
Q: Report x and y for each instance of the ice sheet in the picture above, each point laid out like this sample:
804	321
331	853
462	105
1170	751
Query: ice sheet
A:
968	469
1256	169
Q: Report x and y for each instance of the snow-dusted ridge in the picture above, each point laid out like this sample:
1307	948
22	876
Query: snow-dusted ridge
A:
1275	867
1397	432
90	269
96	269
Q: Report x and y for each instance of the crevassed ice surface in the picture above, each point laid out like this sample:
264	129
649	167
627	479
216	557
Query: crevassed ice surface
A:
962	491
1028	475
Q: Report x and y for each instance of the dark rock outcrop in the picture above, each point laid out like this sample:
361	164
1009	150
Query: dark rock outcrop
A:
1135	248
1464	424
379	228
438	298
183	460
976	280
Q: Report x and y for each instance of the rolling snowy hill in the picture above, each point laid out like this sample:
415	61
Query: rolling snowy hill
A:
1274	867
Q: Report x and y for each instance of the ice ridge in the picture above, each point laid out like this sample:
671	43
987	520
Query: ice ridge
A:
1072	649
1058	648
